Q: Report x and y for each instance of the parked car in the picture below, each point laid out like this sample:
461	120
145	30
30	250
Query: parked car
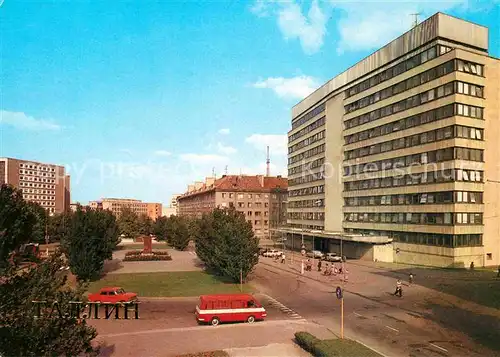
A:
332	257
214	309
272	253
112	295
315	254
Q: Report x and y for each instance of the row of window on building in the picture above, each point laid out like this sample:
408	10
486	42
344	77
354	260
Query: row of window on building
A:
306	142
250	196
417	120
447	218
307	203
306	154
39	185
435	156
306	216
448	175
416	100
412	82
304	131
37	167
307	178
309	115
314	190
40	198
449	132
444	240
306	167
398	69
416	198
30	190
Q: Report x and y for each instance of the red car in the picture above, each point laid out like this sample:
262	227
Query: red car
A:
112	295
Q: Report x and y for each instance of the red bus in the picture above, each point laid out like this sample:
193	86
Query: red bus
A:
215	309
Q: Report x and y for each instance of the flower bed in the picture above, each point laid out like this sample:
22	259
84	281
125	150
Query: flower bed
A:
207	354
146	257
139	252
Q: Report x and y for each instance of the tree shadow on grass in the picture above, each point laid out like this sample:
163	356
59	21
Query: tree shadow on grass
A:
478	286
484	329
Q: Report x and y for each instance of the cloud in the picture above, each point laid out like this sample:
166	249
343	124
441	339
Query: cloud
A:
162	153
20	120
228	150
362	25
224	131
309	29
295	88
203	158
369	25
277	143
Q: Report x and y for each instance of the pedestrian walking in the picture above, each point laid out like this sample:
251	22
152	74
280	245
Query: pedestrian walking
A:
319	265
283	258
399	289
410	279
308	265
471	265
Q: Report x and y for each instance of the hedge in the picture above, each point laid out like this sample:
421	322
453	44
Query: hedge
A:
332	348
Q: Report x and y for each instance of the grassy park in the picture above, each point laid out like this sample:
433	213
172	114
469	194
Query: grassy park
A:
169	284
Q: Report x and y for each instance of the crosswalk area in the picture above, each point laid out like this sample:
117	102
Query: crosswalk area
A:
269	300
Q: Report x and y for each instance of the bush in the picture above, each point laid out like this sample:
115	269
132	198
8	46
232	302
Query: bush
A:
207	354
145	258
306	340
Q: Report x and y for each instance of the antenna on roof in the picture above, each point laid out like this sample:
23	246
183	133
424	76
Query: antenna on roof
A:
213	171
225	170
268	162
415	21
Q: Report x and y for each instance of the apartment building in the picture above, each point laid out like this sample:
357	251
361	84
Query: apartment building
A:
46	184
262	199
174	204
117	205
403	145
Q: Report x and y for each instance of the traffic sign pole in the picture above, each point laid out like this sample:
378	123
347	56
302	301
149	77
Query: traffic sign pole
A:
342	318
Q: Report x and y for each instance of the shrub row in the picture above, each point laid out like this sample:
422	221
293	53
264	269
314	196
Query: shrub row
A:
331	348
145	258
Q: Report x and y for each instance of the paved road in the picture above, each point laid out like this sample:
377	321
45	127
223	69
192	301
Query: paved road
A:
380	320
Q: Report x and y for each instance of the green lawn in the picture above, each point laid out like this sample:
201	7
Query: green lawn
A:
169	284
344	348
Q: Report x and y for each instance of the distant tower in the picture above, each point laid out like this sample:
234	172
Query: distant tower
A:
415	22
268	163
225	170
213	171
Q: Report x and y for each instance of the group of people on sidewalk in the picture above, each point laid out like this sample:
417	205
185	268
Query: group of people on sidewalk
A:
399	285
329	269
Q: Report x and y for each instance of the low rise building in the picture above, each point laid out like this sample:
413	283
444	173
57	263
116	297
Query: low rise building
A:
262	199
117	205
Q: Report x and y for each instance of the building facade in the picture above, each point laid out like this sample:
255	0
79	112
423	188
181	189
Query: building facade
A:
262	199
403	144
117	205
174	204
46	184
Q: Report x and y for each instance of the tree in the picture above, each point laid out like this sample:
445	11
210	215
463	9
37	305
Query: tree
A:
39	228
128	223
145	224
90	240
178	234
160	228
21	334
58	225
17	223
226	243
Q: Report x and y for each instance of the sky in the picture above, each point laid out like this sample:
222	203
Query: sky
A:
137	99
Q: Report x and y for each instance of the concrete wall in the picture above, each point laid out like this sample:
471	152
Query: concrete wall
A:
333	164
491	237
383	253
438	256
